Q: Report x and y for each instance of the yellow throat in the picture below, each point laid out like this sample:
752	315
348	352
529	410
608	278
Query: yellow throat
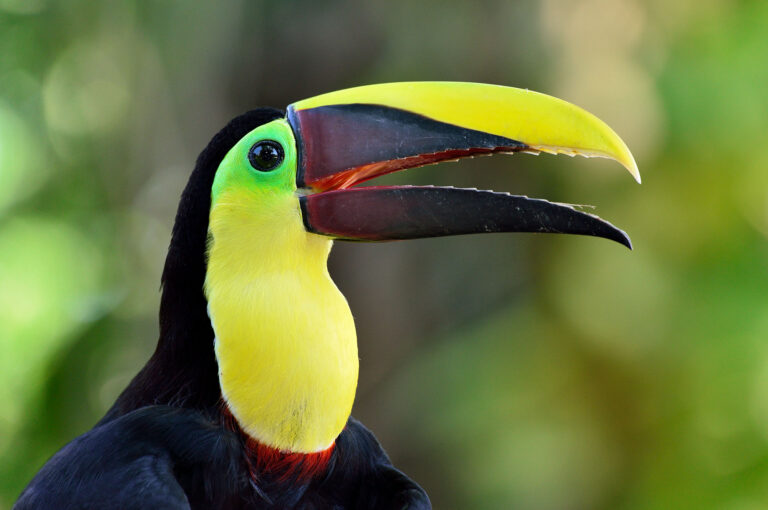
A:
285	338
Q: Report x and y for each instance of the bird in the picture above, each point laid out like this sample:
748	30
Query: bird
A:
246	402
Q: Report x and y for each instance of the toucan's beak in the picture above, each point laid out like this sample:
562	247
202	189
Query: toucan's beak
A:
353	135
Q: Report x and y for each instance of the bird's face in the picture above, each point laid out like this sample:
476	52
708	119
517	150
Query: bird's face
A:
256	180
263	162
255	221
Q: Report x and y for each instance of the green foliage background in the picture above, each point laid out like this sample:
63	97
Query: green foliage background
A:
502	371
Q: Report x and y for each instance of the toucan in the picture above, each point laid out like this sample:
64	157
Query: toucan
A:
246	402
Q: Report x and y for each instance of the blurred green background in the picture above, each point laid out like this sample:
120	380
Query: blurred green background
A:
506	371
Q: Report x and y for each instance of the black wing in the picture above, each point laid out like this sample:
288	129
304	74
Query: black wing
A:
149	458
160	457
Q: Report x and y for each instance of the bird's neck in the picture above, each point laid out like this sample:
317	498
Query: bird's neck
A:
285	339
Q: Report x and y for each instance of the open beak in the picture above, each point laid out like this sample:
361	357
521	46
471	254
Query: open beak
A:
350	136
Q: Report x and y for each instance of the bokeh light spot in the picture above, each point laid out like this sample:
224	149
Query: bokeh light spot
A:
86	89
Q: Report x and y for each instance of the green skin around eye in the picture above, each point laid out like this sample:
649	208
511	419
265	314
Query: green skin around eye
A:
235	171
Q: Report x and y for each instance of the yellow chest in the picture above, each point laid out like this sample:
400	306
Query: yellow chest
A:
285	338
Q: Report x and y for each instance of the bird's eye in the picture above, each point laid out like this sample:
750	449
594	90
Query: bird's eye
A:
266	155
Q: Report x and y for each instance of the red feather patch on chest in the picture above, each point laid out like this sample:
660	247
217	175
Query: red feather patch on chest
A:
286	465
264	460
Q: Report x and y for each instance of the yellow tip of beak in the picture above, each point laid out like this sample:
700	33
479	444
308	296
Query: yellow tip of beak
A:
621	155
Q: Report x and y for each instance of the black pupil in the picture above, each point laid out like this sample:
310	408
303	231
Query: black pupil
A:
266	155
